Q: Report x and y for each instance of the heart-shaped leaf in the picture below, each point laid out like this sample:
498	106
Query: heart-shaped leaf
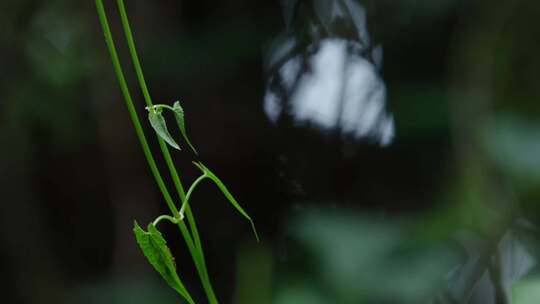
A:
157	121
227	194
179	115
155	250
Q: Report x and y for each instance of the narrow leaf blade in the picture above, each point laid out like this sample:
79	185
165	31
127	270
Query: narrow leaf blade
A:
228	195
179	115
156	251
157	121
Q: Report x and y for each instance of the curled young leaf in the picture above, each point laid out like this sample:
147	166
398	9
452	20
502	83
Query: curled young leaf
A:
154	248
157	121
227	194
179	115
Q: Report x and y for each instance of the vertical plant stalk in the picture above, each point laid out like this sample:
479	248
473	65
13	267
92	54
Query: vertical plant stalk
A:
198	254
195	249
131	108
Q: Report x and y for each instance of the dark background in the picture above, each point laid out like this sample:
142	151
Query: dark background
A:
462	79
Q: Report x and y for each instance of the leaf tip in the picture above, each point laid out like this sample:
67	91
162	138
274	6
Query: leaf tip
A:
255	231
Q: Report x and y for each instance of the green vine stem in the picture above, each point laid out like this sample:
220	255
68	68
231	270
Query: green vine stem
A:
195	248
197	253
131	108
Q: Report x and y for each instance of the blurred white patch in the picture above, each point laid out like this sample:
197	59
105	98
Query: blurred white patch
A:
340	90
272	106
290	71
318	94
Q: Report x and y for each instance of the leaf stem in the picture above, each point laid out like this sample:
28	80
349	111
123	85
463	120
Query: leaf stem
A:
190	191
160	106
169	218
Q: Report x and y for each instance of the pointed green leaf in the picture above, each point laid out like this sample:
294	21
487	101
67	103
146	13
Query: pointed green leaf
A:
179	115
227	194
159	255
160	126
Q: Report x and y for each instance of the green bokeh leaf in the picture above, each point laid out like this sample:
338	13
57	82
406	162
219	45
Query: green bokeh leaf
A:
227	194
159	255
179	115
160	126
526	291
